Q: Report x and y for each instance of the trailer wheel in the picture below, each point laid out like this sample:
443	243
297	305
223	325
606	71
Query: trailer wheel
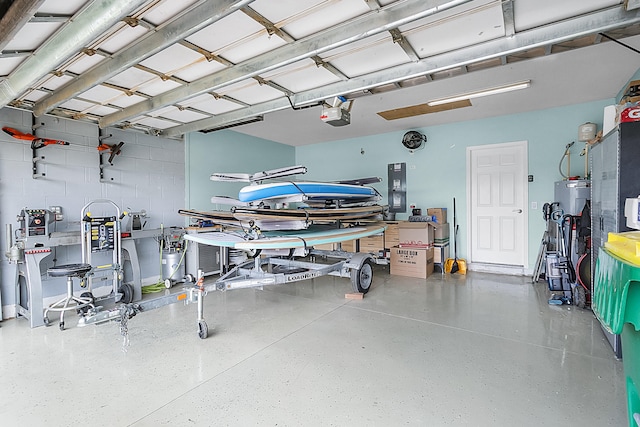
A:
362	277
203	329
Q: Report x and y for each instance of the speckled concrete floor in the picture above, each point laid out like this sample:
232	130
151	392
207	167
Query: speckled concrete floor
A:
480	350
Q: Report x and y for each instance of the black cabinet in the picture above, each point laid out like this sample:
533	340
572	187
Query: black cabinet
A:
615	176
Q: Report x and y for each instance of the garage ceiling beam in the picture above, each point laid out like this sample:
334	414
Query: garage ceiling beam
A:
18	14
391	16
15	53
92	20
192	21
398	38
50	17
508	18
605	20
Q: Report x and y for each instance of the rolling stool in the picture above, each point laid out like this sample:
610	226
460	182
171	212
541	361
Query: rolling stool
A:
78	303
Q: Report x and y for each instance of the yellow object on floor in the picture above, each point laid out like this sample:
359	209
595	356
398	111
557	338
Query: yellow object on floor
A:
449	263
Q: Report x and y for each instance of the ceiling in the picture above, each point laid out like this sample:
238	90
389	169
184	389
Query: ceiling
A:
169	67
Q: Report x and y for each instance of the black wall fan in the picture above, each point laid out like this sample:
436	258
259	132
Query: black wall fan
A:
414	140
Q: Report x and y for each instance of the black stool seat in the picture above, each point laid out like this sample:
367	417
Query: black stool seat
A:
69	270
70	301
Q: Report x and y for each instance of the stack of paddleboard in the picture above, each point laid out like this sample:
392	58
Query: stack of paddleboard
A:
324	202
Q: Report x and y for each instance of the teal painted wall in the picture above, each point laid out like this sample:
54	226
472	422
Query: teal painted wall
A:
227	151
437	174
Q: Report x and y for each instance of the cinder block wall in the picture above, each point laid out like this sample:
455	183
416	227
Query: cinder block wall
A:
148	174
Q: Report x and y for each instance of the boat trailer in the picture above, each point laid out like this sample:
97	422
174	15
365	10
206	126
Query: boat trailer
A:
254	273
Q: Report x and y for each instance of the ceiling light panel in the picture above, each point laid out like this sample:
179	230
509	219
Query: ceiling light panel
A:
183	116
286	11
35	95
172	58
131	78
77	105
54	82
167	10
101	94
84	63
211	105
154	122
7	65
534	13
365	56
157	86
328	14
100	110
481	93
352	48
225	33
302	75
67	7
32	35
124	101
457	31
256	44
161	111
122	38
205	97
198	69
251	92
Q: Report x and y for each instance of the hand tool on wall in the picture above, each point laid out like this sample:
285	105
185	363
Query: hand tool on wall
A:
36	142
114	149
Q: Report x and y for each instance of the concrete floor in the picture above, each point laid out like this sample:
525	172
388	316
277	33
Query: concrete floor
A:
480	350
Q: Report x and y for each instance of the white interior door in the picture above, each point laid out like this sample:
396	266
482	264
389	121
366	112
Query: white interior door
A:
497	203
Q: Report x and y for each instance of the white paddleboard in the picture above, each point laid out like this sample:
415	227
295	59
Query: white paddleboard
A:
286	240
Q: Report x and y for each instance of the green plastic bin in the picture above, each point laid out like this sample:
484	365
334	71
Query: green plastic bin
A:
616	303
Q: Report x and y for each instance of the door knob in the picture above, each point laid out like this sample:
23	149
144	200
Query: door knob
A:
517	211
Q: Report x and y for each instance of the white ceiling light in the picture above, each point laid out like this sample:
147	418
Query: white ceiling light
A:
485	92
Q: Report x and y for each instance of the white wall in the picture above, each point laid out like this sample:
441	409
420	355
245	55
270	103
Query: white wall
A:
148	174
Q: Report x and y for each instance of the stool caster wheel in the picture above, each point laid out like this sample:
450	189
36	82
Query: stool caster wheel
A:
62	326
46	321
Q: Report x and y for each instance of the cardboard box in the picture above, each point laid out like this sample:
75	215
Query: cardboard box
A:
440	214
416	234
347	246
391	235
372	244
440	253
411	262
441	233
